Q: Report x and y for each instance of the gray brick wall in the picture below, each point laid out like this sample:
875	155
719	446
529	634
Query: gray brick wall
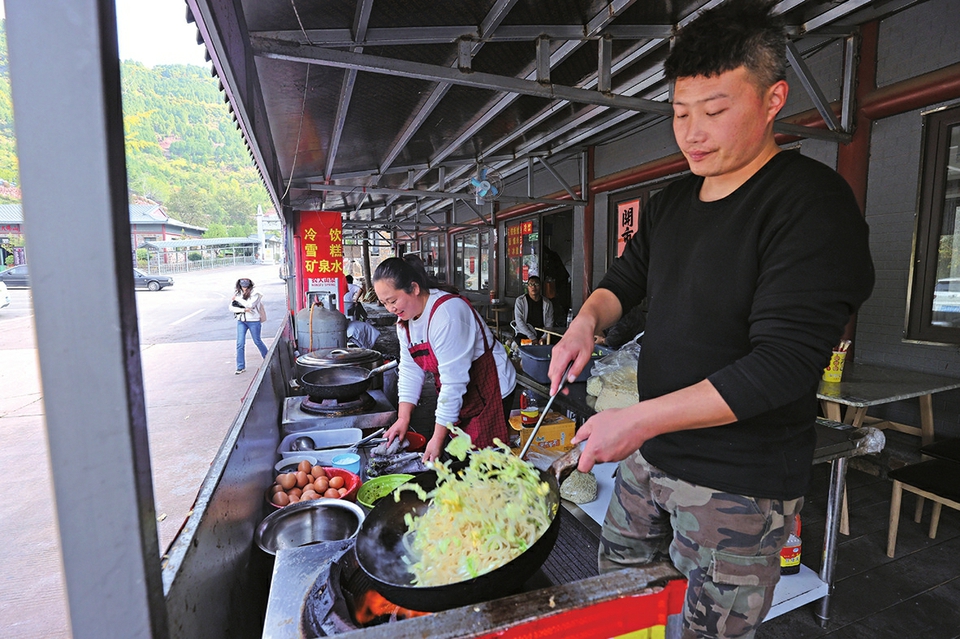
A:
922	39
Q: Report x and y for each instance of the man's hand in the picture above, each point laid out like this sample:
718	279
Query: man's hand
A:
577	347
616	433
610	435
601	310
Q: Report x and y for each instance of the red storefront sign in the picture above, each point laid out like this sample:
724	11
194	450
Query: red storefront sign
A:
321	254
628	221
515	235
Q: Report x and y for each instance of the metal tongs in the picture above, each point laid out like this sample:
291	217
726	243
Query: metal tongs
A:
543	413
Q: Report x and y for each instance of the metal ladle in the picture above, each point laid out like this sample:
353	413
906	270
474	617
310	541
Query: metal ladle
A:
304	444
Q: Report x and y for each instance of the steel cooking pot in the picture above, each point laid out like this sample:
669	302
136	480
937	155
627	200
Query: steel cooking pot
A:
379	553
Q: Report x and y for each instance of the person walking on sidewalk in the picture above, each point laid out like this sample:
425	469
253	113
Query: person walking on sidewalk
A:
247	307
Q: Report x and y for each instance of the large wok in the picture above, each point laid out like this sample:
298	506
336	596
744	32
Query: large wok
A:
341	382
379	550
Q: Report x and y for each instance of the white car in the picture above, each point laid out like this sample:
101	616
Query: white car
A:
946	302
4	295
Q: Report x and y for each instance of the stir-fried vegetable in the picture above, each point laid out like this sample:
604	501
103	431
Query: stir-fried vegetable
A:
480	518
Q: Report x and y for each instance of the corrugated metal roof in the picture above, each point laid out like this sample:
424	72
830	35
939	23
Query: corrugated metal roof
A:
201	243
365	93
139	214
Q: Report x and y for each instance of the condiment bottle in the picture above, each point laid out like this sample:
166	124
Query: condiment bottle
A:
790	553
529	408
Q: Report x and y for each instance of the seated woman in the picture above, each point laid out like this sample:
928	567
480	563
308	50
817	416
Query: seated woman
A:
532	310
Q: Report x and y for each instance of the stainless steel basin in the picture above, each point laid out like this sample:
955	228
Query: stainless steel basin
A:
309	522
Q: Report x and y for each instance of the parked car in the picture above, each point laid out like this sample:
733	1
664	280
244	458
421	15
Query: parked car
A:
4	295
946	302
15	276
152	282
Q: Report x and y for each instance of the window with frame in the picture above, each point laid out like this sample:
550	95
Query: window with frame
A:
934	306
523	254
472	261
434	255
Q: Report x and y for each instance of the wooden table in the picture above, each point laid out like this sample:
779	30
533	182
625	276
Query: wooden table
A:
836	443
866	385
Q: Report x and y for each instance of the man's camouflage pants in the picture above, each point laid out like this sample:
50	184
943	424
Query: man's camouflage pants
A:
727	545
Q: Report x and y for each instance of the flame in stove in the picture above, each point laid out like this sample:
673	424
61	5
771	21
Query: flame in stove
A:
372	606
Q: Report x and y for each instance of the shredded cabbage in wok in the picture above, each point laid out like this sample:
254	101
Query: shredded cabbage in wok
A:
480	518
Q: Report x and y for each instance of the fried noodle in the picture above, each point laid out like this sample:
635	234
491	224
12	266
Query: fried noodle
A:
480	518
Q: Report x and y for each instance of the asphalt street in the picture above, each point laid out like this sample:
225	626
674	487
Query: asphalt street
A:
187	339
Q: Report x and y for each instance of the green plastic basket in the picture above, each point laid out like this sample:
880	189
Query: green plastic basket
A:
377	488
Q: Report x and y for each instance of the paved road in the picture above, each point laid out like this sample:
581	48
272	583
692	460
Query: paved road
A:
187	340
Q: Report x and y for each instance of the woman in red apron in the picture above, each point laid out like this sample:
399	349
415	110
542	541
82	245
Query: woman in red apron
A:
441	333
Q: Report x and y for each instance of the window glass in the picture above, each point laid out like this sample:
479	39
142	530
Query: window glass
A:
945	305
472	263
435	256
934	312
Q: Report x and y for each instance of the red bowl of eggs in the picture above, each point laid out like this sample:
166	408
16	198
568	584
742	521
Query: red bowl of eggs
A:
313	482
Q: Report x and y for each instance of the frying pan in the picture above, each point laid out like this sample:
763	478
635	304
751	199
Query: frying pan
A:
380	548
341	382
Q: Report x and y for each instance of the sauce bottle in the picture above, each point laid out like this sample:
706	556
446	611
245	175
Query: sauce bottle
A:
529	408
790	553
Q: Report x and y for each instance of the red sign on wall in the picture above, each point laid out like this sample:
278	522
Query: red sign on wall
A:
628	221
515	235
321	254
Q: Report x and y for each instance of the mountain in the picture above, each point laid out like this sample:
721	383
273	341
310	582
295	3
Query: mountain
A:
183	148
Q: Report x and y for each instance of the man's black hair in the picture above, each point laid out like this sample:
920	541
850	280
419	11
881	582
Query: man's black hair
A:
737	33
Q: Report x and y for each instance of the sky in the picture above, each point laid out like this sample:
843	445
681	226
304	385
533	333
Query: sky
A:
155	32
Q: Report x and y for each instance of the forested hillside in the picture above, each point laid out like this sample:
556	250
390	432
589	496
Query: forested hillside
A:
183	149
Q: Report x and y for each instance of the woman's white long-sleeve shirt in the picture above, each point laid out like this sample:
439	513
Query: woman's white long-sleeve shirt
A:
456	341
253	310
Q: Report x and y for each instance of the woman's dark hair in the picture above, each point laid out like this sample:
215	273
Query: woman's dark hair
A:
737	33
402	272
244	282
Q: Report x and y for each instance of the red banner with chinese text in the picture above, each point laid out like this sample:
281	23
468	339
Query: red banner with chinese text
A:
321	255
515	235
628	221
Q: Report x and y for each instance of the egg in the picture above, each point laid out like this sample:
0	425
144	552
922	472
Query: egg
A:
275	488
318	471
336	482
301	478
342	491
281	499
309	494
294	499
320	484
304	466
294	492
332	493
287	480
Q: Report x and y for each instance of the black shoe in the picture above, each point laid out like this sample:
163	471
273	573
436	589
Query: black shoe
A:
239	370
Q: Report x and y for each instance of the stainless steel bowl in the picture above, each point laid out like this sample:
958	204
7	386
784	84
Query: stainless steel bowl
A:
309	522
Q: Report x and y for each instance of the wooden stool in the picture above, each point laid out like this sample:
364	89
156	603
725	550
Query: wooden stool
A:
937	480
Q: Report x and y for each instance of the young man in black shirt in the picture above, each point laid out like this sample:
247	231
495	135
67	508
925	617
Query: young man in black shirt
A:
751	267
